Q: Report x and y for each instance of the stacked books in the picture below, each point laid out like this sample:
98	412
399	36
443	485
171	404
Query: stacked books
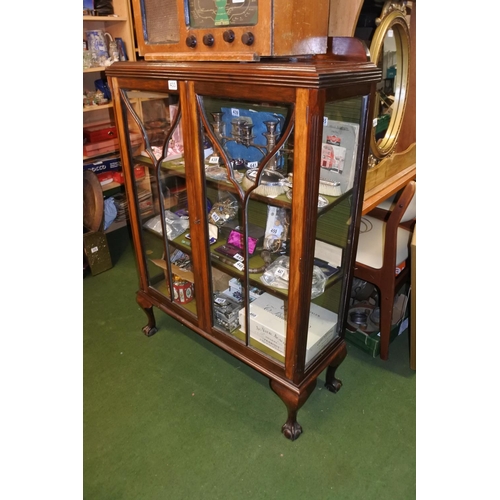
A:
145	199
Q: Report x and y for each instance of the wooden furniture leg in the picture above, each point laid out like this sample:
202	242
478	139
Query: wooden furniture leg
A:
413	306
334	384
150	329
387	293
293	399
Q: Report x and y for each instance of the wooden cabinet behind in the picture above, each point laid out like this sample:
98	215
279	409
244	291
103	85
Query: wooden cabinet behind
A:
255	171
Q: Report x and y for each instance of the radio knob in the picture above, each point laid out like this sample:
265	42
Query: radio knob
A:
229	36
208	40
191	41
247	38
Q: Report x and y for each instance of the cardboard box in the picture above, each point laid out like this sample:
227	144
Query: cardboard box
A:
182	273
268	325
108	145
95	148
105	178
370	343
139	173
98	133
108	163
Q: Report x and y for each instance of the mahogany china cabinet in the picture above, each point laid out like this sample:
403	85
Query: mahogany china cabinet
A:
246	229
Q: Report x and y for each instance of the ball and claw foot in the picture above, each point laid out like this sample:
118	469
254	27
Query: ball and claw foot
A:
149	331
334	385
291	430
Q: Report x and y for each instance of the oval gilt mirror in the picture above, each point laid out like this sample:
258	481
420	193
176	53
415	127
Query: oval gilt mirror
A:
390	50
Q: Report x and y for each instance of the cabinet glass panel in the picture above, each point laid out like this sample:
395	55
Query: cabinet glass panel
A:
339	169
157	150
248	156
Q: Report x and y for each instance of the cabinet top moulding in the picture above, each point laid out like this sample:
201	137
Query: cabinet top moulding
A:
311	73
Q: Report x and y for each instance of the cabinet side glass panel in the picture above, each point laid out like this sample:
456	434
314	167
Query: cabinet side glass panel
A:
154	124
248	159
340	164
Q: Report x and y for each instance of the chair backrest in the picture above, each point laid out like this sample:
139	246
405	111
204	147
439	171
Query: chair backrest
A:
411	211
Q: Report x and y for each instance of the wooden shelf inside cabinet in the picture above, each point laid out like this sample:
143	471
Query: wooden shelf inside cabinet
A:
97	69
116	225
98	157
306	323
226	265
111	185
176	168
97	108
106	19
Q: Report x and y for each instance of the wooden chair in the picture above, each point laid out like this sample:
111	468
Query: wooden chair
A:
384	243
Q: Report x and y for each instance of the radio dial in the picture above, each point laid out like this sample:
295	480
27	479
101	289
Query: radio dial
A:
247	38
191	41
228	36
208	40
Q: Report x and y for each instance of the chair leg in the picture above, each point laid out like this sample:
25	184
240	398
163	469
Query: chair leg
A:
386	307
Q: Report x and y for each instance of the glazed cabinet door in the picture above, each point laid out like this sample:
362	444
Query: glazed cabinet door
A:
248	152
155	166
279	173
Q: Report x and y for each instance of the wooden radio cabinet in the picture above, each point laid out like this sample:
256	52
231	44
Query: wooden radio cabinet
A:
230	30
256	174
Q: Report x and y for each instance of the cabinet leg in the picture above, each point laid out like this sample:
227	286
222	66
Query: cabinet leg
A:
293	399
332	383
150	329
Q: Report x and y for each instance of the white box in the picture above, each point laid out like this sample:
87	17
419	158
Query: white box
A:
268	326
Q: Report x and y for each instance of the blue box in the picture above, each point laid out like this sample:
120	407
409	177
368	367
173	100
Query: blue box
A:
88	4
105	164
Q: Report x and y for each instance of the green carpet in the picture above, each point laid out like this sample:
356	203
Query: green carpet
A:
173	417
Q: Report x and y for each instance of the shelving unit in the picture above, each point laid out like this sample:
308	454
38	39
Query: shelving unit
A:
119	25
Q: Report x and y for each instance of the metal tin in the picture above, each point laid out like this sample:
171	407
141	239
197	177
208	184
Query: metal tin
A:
183	291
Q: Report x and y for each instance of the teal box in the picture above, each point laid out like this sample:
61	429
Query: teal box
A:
370	342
